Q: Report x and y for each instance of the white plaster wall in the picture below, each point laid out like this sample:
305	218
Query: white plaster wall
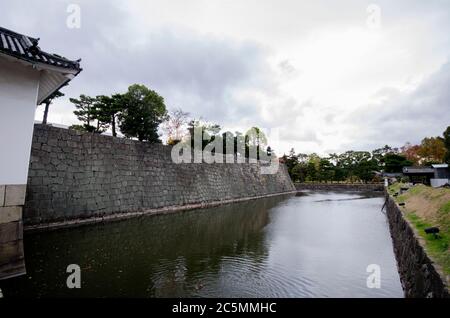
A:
18	94
438	182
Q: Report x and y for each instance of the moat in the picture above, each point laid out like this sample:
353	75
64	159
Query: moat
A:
314	245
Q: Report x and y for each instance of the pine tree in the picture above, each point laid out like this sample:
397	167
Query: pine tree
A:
47	102
85	113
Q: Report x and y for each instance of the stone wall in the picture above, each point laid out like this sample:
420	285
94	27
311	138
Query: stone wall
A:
75	175
418	274
12	198
340	186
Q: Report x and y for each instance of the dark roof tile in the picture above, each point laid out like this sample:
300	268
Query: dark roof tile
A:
26	48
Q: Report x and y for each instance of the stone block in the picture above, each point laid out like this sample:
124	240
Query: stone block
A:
11	231
11	251
12	269
15	194
10	214
2	195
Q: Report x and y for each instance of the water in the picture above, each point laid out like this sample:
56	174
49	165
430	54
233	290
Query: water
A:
317	245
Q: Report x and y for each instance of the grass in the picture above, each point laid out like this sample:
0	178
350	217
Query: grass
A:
445	208
436	246
394	188
426	207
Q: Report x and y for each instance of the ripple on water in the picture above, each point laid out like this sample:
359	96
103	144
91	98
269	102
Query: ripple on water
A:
263	248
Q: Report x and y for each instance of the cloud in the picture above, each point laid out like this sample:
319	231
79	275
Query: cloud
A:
406	117
203	74
313	70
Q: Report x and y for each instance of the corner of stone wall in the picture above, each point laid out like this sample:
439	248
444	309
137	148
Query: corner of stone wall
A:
418	274
12	199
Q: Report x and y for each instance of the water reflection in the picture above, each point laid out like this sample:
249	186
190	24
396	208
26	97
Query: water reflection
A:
316	245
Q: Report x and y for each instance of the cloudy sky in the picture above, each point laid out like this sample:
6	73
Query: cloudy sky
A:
327	75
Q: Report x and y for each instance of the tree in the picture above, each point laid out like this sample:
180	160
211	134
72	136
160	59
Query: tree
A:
228	139
395	163
299	172
175	125
446	135
256	137
411	152
208	131
311	171
47	102
380	153
107	110
85	113
143	111
239	139
365	170
432	149
292	161
254	140
325	171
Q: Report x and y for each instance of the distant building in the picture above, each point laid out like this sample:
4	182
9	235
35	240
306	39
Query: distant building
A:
390	174
441	175
436	175
28	76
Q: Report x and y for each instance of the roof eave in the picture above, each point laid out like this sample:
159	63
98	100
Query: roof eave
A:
41	65
44	98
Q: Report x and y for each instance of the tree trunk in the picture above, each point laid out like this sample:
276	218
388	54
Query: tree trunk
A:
44	120
113	126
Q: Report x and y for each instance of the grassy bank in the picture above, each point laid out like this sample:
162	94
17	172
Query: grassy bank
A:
425	207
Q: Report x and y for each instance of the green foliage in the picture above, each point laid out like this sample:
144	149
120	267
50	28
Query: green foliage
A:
138	113
436	246
365	170
395	162
82	128
380	153
351	166
445	208
404	179
417	189
447	145
437	207
255	139
299	172
85	112
143	111
395	188
107	109
246	145
206	130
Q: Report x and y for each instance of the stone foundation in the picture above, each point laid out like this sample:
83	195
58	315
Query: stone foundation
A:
12	198
418	274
